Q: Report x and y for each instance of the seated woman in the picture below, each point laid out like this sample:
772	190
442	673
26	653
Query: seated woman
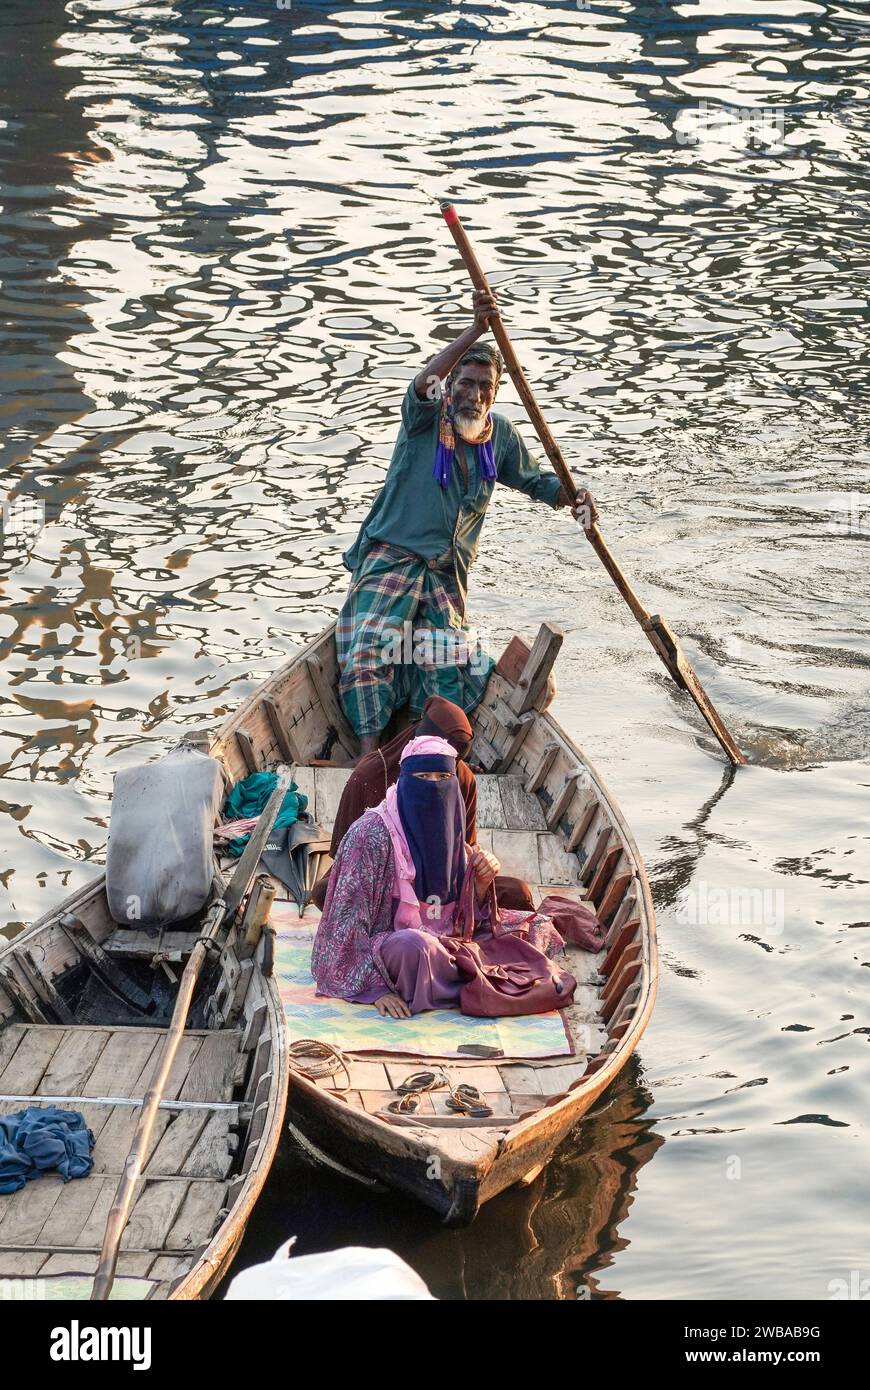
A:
394	888
377	771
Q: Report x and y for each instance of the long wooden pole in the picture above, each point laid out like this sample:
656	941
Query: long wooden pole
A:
220	911
659	632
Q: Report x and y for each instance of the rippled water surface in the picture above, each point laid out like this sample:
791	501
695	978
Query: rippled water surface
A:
221	262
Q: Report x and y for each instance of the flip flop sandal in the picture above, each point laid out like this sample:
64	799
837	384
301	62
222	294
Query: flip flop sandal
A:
475	1112
407	1105
421	1081
465	1100
465	1091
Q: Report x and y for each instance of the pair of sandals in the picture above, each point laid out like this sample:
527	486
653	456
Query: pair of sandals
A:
462	1099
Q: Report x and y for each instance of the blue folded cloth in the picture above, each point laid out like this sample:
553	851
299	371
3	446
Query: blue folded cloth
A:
34	1140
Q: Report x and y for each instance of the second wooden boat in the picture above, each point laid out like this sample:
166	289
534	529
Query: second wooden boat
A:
84	1008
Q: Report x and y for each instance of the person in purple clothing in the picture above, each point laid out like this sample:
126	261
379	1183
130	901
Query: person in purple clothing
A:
393	892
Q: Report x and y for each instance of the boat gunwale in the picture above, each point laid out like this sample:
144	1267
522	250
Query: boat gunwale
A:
214	1260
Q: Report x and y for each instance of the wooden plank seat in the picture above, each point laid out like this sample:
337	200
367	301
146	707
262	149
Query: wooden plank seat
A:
102	1072
130	943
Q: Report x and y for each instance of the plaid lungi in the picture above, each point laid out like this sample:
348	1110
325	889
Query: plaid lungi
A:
401	637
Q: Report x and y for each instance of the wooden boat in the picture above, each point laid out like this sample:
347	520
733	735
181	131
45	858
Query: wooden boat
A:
84	1007
549	818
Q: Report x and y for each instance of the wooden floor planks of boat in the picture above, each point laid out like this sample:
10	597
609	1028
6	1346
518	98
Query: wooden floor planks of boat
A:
549	818
218	1126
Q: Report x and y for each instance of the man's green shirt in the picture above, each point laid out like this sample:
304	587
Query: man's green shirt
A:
412	510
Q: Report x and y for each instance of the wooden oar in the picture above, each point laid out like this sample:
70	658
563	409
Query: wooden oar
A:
221	911
657	629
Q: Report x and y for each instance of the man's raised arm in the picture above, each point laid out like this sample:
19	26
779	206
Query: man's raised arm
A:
427	382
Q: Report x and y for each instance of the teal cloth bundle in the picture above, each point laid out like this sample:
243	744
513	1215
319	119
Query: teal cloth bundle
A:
249	797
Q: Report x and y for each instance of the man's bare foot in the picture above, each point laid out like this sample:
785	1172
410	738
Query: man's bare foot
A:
368	743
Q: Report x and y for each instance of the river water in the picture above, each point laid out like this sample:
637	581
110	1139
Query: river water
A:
222	260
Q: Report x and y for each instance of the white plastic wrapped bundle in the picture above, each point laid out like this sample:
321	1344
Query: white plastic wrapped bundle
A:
159	862
354	1273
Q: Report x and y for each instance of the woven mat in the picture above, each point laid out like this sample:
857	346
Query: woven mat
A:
360	1028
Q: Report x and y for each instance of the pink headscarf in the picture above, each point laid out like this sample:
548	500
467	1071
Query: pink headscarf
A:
428	743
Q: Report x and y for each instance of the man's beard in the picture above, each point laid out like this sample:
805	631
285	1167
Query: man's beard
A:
469	424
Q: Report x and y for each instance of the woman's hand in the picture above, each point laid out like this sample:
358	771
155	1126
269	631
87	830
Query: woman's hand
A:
485	868
392	1006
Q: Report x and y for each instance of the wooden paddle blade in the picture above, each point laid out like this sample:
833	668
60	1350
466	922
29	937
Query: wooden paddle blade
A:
667	644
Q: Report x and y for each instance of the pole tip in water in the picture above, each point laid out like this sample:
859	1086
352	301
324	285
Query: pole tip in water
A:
451	216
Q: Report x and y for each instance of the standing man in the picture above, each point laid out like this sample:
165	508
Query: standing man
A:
401	634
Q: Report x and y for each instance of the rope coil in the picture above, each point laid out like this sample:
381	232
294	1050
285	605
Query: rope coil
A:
317	1060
